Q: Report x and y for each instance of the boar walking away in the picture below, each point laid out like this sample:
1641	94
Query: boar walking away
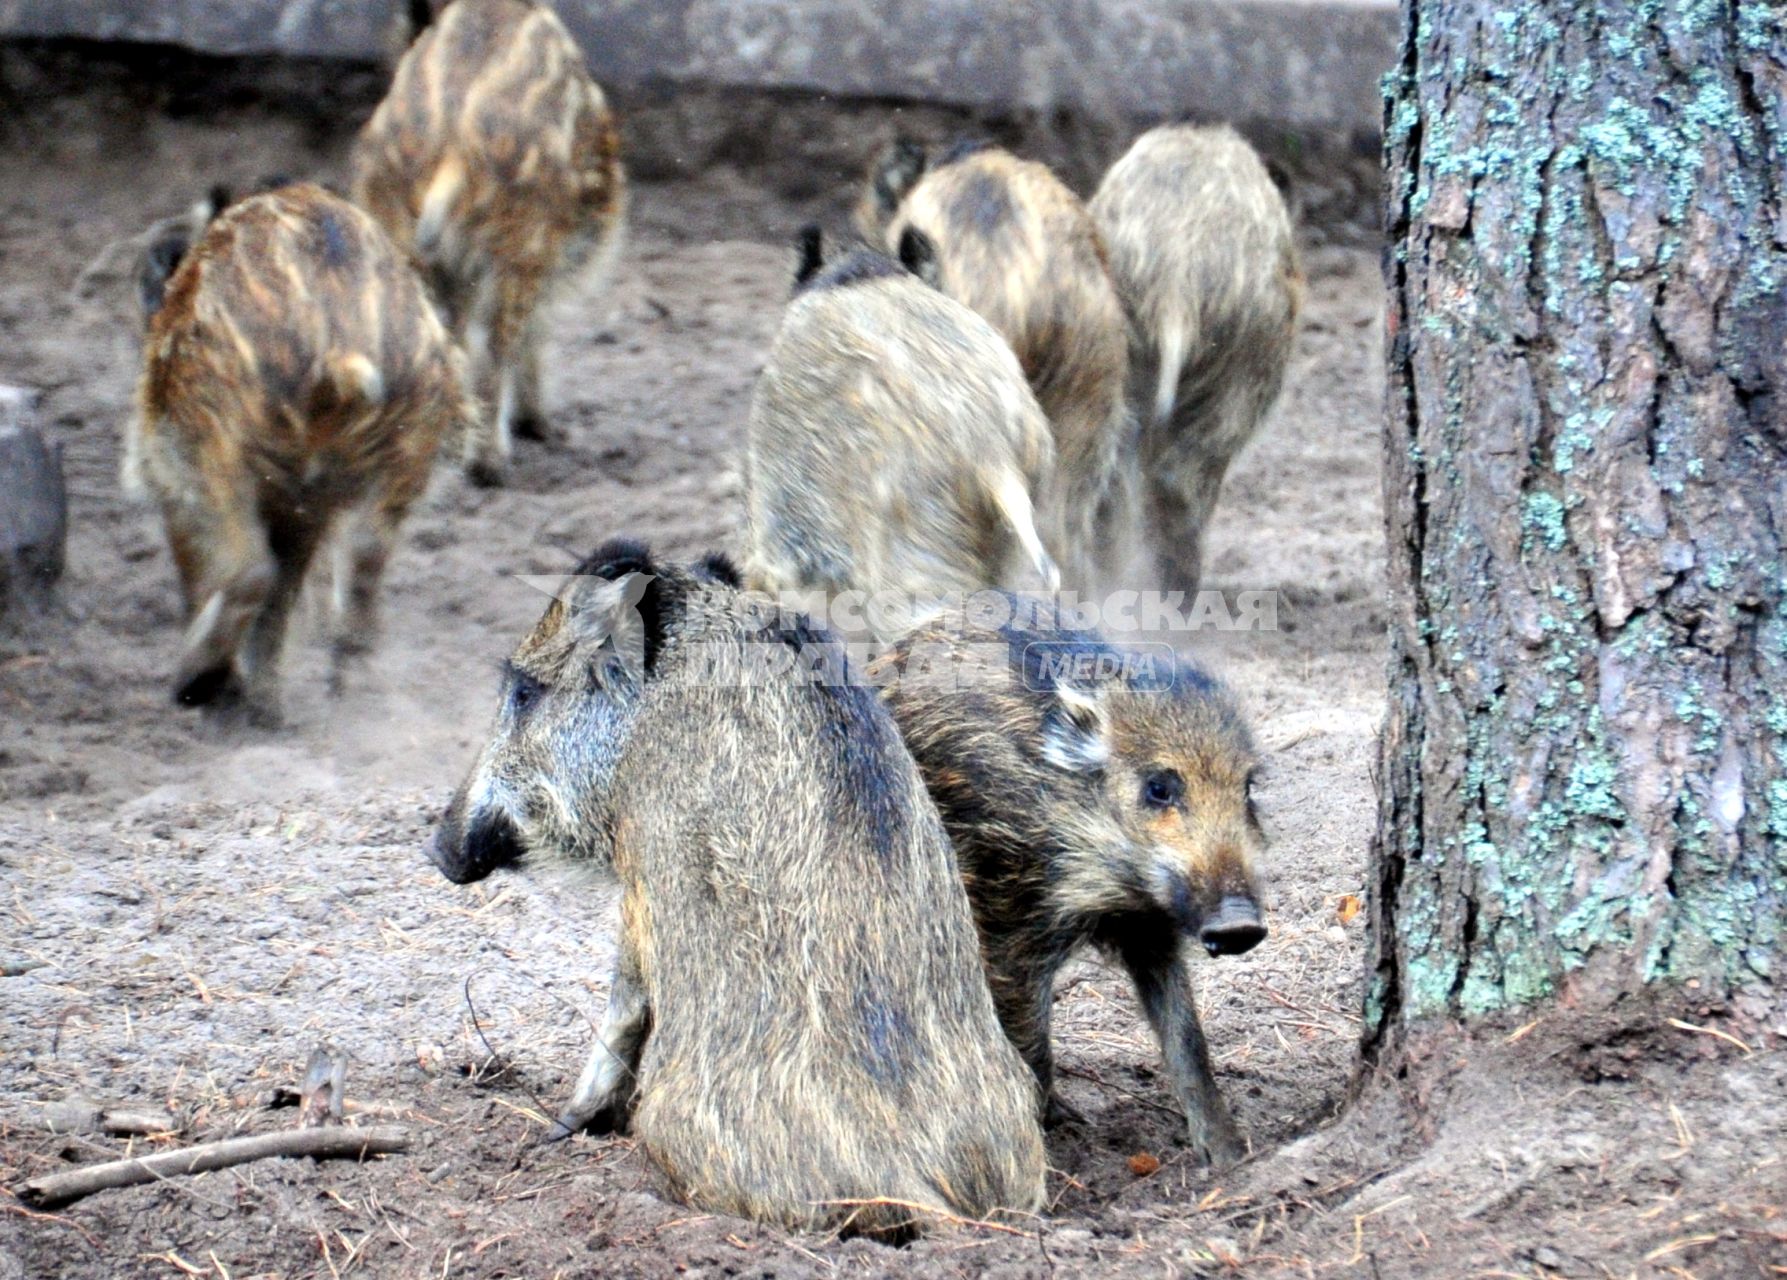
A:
1014	244
1202	252
495	160
799	1027
893	444
295	377
1094	795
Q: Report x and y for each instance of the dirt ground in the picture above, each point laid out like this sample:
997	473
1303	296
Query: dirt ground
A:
189	910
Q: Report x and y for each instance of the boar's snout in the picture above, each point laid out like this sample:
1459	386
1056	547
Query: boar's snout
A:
467	853
1234	928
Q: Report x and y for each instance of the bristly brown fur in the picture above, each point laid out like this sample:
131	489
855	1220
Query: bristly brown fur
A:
893	446
799	1028
495	160
295	373
1013	243
1042	775
1203	255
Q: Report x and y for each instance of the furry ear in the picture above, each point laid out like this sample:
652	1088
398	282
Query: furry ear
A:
962	148
809	244
897	171
719	567
616	558
619	596
918	254
159	262
624	617
1075	731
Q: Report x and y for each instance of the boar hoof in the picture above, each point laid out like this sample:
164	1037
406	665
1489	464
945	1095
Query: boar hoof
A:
535	426
486	475
218	685
1057	1113
602	1120
1219	1148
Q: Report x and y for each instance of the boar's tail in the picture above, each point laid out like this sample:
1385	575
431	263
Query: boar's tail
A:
1012	497
437	204
357	379
1172	347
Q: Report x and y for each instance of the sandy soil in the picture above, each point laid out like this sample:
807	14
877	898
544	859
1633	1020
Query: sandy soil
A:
189	910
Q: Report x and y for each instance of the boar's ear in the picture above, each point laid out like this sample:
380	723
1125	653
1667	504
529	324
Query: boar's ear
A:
1076	731
962	148
616	558
897	171
809	246
623	617
719	567
918	254
1281	176
618	596
159	262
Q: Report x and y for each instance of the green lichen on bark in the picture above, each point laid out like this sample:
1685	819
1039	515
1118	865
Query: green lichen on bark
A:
1585	765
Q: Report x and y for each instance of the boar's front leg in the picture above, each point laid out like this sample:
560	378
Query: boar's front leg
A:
1158	962
604	1093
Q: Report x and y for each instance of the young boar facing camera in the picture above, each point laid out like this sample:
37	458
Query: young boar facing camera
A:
1094	795
799	1024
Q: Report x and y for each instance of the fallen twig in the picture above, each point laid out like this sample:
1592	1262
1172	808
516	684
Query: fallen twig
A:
121	1121
1726	1036
282	1096
320	1144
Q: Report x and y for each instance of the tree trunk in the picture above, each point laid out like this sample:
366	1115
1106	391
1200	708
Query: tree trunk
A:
33	508
1584	766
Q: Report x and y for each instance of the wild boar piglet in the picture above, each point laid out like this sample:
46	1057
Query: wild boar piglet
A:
799	1029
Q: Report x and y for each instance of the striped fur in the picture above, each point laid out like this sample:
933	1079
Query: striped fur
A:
495	160
893	445
1203	255
295	375
1013	243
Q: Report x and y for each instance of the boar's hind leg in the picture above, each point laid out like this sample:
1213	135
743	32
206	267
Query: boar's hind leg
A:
530	417
498	341
226	572
1183	492
360	558
1163	981
604	1093
1024	997
292	542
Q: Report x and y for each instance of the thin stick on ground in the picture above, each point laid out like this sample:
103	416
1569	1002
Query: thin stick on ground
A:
320	1144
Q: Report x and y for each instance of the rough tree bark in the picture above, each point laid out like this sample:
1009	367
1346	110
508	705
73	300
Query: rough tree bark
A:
33	509
1584	768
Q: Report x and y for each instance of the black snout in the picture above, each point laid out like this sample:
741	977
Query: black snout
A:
1234	928
466	854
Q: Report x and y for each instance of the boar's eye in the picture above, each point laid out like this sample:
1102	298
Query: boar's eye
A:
524	691
1162	789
